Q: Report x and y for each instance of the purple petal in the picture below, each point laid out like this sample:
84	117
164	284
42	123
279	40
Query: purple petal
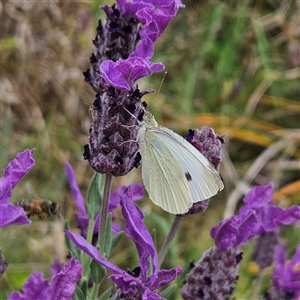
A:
19	167
259	196
124	73
64	283
286	276
127	283
256	216
166	276
114	198
92	251
115	228
247	229
35	288
55	268
151	295
82	222
79	200
114	202
138	232
225	233
5	190
293	273
274	216
12	215
154	16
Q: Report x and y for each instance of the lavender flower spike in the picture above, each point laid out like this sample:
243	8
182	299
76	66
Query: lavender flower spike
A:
207	142
124	45
215	274
62	287
140	285
11	214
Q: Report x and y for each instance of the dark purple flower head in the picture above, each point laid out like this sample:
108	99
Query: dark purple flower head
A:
13	173
62	287
208	143
82	217
213	276
112	148
145	285
124	45
257	215
286	276
112	144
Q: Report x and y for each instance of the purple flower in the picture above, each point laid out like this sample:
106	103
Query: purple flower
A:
286	276
154	16
139	284
56	267
213	276
34	288
62	287
124	45
13	173
82	217
207	142
257	215
64	283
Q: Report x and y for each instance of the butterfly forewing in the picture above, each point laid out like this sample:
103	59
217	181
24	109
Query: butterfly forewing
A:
175	173
162	175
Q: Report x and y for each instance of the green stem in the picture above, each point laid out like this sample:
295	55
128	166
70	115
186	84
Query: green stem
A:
167	243
104	210
94	291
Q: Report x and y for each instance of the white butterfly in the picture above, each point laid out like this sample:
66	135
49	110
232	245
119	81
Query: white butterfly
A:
174	172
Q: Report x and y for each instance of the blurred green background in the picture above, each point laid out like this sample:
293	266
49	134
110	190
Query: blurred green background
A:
231	65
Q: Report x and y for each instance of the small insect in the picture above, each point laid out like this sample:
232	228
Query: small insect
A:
174	172
41	208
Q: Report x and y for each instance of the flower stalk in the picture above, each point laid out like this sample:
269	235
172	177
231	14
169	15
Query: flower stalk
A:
104	211
168	240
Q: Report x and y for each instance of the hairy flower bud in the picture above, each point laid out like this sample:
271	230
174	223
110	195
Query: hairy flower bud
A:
214	276
206	141
113	147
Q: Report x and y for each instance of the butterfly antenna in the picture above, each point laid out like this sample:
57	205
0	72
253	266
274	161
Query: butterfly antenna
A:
165	75
139	122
